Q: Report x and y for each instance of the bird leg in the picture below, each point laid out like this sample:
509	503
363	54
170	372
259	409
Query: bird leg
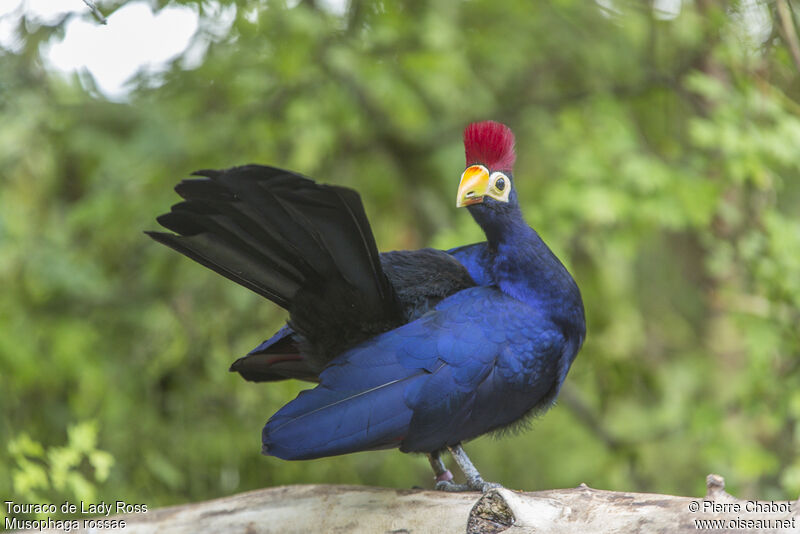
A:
474	480
443	474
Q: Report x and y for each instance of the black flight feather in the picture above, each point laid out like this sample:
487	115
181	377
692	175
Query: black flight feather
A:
307	247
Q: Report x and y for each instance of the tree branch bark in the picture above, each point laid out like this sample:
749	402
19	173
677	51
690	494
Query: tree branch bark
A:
356	510
96	12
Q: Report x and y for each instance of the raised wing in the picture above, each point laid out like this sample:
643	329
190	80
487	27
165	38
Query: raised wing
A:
419	278
307	247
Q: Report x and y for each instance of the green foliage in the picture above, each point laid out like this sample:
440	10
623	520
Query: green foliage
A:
72	471
657	157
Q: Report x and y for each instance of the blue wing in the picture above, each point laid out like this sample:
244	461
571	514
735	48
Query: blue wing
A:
479	361
477	260
420	280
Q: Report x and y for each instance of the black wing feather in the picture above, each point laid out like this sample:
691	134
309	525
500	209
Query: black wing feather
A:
307	247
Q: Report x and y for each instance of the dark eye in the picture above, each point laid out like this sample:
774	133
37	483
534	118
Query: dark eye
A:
500	184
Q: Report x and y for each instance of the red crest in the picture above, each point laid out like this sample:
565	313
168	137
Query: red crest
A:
491	144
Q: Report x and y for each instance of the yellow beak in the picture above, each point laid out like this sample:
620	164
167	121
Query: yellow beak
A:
474	185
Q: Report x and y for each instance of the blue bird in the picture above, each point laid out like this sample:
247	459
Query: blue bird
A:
417	350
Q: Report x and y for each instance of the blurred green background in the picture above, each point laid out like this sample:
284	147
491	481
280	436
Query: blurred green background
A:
658	156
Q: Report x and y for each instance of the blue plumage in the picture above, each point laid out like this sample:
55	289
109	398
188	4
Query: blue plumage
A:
416	350
477	260
426	385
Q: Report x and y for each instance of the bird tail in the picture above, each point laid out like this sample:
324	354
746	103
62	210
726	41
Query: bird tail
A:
306	247
277	358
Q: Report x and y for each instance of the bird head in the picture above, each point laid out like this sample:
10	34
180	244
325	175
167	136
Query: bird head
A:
489	149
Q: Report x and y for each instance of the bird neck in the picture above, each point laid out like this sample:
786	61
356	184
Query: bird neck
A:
525	268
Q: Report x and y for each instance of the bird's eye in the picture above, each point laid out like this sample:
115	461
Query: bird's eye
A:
500	188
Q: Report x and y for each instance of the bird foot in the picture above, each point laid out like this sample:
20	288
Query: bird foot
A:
472	485
484	486
449	486
445	476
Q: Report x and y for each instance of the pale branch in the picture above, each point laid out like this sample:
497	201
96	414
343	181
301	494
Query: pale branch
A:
96	12
357	510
